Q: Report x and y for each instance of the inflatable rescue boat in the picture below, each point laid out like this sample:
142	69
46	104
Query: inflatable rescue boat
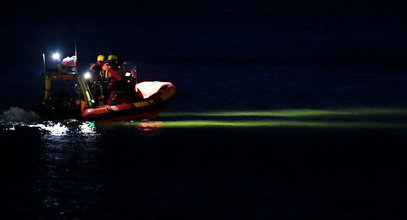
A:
140	100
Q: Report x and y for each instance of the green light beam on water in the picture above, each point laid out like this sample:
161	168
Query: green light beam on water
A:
295	113
268	123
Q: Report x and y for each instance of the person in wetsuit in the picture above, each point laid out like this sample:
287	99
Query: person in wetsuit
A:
95	83
95	68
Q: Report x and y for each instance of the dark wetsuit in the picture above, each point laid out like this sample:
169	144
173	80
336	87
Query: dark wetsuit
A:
95	83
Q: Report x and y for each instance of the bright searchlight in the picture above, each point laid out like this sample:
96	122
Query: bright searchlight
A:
56	56
87	75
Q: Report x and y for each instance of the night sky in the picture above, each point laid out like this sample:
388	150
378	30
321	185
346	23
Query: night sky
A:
211	31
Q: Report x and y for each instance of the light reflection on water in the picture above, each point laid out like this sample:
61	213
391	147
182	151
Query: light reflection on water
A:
64	183
156	125
149	128
66	176
296	113
87	128
345	118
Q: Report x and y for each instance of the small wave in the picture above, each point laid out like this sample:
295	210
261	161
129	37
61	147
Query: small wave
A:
16	114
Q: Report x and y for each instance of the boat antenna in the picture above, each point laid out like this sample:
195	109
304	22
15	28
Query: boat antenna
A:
43	60
76	58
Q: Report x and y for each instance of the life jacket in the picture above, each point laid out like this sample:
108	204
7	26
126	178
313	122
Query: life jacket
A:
109	73
104	72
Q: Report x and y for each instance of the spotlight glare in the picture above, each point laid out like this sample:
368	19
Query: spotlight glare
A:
56	56
87	75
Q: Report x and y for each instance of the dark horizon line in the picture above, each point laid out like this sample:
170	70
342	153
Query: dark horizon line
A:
239	61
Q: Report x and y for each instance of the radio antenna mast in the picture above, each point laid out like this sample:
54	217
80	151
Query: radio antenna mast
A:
76	59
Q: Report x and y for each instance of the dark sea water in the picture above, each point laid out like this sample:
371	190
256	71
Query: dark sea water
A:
352	166
277	117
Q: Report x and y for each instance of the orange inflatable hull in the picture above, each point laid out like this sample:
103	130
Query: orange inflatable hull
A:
156	96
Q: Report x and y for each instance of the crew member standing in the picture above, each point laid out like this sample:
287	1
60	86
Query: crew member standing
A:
112	76
96	68
96	82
